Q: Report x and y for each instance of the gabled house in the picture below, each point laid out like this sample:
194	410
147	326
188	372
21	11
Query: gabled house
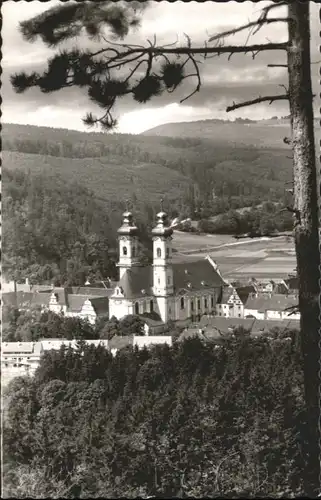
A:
229	304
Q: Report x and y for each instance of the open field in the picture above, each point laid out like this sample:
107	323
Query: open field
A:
260	258
190	242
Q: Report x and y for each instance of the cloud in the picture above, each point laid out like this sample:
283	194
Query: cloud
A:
223	81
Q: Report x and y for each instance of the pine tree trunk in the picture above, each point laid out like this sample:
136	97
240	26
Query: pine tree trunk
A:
306	226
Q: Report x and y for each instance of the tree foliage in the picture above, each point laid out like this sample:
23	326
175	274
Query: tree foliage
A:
264	220
33	325
155	422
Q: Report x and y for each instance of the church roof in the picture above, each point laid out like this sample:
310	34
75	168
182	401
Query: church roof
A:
190	276
196	275
135	280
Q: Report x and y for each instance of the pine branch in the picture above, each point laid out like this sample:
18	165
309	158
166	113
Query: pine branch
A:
198	78
258	23
270	98
220	49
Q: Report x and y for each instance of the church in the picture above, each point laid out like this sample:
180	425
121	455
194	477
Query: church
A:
168	289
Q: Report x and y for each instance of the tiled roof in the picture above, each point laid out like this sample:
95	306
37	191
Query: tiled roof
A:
244	292
23	347
152	321
92	291
100	304
135	280
190	333
40	299
75	302
196	275
225	324
212	328
190	276
49	344
277	302
21	299
41	288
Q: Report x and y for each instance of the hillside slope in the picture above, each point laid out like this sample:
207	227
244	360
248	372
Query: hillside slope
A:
191	173
108	179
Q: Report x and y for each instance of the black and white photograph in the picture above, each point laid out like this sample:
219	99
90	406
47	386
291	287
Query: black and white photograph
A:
160	271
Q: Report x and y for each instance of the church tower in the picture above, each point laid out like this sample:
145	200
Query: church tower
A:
128	244
163	285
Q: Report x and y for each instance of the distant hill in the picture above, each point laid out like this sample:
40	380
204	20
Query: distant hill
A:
263	133
113	166
218	170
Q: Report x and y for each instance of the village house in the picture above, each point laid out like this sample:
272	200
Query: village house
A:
86	303
274	307
229	304
216	328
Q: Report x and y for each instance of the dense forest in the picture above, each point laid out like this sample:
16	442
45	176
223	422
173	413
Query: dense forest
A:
56	231
154	423
264	220
197	177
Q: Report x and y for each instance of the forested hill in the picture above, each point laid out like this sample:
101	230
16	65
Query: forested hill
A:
54	231
192	174
242	132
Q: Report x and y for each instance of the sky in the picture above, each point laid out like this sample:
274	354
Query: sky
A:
223	81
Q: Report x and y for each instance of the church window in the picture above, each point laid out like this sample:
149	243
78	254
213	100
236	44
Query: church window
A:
124	250
198	303
136	308
212	301
167	252
205	303
158	252
134	252
151	306
182	303
192	305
